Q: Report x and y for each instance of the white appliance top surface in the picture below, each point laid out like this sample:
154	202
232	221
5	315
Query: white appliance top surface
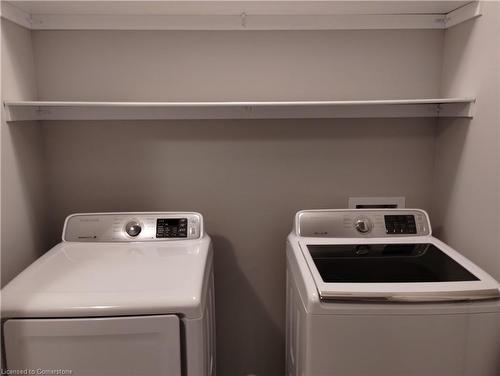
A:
482	287
108	279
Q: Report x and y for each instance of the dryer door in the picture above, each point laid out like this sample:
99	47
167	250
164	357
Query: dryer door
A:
142	345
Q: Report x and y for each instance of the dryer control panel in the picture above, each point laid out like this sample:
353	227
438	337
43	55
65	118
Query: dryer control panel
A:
360	223
126	227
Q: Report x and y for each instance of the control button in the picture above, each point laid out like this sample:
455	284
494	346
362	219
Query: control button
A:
133	228
192	231
362	225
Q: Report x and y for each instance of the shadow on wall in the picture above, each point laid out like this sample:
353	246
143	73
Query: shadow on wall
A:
451	139
110	166
456	45
24	198
236	130
244	327
451	134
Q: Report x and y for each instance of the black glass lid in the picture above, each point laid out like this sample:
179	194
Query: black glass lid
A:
390	263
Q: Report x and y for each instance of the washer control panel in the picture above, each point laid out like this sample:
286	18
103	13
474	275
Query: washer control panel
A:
400	224
358	223
126	227
172	228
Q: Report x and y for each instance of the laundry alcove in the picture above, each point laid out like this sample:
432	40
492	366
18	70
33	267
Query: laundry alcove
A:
248	113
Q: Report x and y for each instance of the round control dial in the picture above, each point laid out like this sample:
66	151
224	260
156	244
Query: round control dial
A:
362	225
133	228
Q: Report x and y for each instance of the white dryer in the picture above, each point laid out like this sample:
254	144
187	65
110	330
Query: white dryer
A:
122	294
372	292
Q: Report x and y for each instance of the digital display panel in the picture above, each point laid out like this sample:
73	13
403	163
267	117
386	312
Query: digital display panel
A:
400	224
171	227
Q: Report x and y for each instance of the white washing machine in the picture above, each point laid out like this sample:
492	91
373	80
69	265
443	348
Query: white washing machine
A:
122	294
372	292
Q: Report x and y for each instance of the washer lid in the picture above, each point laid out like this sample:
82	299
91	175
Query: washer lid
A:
418	269
112	279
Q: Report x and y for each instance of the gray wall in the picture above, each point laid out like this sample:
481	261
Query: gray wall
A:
247	177
23	194
466	197
237	65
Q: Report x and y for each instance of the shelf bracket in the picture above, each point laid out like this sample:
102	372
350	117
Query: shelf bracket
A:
16	15
439	108
243	19
462	14
43	112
